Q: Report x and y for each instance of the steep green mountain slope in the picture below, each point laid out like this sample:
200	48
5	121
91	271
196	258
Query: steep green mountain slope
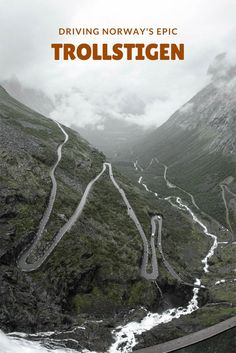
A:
33	98
93	273
95	268
198	144
109	135
196	151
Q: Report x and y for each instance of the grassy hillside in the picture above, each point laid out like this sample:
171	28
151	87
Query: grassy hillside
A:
94	272
198	144
96	266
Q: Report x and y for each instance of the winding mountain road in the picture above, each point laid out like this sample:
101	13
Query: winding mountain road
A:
165	262
27	267
204	334
222	185
230	191
22	260
181	206
149	275
172	186
227	218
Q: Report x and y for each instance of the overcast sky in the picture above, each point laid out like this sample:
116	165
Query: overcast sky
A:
145	92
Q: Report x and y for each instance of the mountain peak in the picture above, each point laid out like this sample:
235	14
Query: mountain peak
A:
211	111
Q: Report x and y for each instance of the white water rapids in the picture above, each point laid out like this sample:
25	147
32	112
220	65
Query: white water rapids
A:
205	230
125	337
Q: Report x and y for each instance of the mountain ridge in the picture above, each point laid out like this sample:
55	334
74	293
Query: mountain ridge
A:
198	143
54	294
94	271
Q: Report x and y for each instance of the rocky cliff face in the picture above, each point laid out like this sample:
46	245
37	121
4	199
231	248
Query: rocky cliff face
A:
198	143
207	121
212	109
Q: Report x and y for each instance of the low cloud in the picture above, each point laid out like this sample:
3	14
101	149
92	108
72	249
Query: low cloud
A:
75	109
146	93
223	66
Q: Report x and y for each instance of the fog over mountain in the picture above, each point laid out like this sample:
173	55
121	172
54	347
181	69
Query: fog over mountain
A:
109	131
32	97
108	134
145	93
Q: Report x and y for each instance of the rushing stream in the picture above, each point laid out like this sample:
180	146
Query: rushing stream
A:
214	246
125	337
